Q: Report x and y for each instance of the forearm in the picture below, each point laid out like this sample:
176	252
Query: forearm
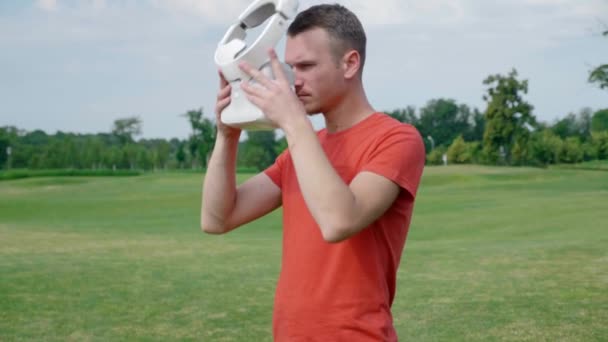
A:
329	199
219	188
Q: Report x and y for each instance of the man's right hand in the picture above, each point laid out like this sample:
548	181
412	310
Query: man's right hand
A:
223	100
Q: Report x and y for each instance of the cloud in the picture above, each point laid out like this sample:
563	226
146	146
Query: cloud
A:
213	11
47	5
99	4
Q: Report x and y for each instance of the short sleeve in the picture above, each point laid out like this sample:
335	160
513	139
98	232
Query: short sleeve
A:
274	171
399	156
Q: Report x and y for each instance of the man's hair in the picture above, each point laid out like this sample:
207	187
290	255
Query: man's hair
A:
343	27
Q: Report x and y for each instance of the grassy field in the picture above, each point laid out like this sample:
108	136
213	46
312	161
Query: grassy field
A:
494	254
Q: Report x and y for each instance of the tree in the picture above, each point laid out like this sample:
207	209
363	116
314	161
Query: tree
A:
125	129
572	150
443	120
202	138
508	117
600	142
180	155
599	121
599	75
476	126
574	125
435	157
547	147
259	150
407	115
458	152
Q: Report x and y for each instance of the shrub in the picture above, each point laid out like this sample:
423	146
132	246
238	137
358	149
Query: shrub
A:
600	142
546	147
572	150
435	156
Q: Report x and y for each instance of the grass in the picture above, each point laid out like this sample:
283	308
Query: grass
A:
494	254
25	173
590	165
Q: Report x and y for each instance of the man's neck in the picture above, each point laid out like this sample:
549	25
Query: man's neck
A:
350	111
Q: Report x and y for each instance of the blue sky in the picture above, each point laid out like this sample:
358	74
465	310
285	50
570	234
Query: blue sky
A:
76	66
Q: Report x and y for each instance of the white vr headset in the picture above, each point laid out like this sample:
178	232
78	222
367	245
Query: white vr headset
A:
233	49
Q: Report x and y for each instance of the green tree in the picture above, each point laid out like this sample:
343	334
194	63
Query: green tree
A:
547	147
572	125
161	155
599	74
443	120
599	121
406	115
508	117
180	155
458	152
125	129
259	150
476	126
435	157
572	150
600	142
202	138
4	145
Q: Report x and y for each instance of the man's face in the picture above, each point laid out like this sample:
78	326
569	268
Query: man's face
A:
319	79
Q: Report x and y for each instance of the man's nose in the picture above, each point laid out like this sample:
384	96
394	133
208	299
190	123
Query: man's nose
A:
298	82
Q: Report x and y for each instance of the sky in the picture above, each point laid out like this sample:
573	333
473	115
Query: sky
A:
76	66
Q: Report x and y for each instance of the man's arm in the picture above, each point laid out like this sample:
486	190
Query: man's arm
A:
339	209
224	206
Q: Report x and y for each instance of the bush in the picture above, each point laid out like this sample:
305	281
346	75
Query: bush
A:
462	152
600	142
546	147
435	156
589	151
572	150
520	154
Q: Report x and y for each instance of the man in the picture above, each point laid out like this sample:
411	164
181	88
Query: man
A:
347	191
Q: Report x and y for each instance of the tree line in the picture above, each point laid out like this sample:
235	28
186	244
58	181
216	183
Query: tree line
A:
505	133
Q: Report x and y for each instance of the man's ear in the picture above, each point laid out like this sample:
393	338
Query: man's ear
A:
351	63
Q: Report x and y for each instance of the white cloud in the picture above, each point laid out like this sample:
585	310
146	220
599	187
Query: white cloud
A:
213	11
99	4
47	5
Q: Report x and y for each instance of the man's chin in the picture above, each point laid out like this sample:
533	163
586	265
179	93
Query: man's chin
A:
312	110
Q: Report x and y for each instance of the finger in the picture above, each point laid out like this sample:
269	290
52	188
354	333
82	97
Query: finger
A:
252	90
223	81
221	105
224	92
255	74
277	69
255	100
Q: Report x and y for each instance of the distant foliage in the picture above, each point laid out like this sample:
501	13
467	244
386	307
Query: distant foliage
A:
599	122
599	74
505	133
435	157
509	119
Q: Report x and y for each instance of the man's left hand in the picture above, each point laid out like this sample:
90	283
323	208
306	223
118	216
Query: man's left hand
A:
274	97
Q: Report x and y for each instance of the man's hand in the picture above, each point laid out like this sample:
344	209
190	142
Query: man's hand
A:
274	97
223	100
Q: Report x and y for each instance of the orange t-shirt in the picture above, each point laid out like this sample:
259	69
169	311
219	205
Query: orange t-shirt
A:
344	291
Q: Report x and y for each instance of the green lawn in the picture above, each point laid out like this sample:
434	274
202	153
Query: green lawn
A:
494	254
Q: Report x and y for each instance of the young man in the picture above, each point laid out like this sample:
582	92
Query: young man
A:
347	191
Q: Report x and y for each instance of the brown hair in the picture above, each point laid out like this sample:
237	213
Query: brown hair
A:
342	25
